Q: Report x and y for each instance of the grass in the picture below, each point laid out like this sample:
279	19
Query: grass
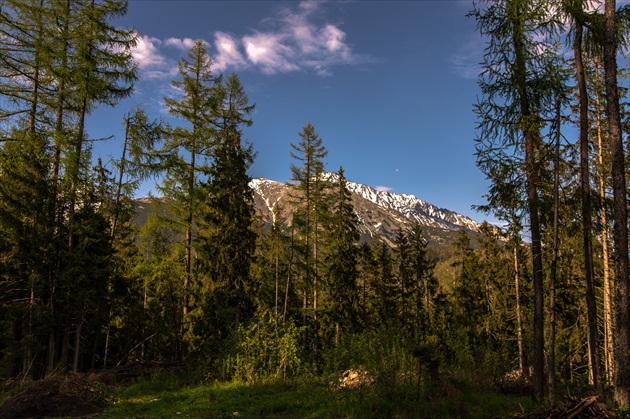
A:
219	400
168	397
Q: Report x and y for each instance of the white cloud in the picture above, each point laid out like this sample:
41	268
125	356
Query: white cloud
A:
297	39
270	53
228	54
383	188
146	54
151	62
183	44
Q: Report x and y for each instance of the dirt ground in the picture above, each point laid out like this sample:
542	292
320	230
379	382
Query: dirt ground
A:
74	395
71	396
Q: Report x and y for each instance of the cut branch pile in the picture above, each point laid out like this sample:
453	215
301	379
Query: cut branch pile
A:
574	408
353	379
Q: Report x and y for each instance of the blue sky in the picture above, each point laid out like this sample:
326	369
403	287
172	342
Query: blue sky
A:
388	85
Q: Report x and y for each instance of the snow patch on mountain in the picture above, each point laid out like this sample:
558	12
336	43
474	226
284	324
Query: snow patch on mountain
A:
409	206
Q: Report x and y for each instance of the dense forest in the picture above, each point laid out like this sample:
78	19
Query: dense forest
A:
208	284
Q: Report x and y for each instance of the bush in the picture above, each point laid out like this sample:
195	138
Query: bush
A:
261	352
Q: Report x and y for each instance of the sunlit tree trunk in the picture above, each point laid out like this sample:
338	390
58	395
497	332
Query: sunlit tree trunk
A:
609	326
620	227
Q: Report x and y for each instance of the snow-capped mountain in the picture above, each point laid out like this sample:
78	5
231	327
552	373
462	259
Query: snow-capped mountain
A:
380	213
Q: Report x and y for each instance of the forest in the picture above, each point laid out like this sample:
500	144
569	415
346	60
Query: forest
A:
540	304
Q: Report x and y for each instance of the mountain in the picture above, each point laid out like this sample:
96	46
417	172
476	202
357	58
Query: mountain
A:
380	213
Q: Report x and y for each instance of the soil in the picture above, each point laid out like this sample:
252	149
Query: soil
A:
74	395
70	396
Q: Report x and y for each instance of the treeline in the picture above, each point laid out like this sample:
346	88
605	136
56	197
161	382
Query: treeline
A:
206	282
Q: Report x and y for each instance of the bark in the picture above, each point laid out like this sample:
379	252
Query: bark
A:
121	173
277	280
315	275
554	266
532	138
609	325
77	347
519	318
589	274
286	290
188	252
620	227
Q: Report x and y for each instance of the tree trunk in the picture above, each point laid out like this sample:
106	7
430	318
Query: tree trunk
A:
315	297
620	227
277	280
121	173
286	290
529	122
519	318
609	325
554	265
77	347
589	274
65	347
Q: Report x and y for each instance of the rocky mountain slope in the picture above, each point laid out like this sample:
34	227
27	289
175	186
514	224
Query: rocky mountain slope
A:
380	213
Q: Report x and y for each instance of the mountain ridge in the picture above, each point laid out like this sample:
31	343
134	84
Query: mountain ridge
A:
380	213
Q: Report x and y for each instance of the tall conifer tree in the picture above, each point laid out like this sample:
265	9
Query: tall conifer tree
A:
190	148
519	83
227	239
342	259
309	192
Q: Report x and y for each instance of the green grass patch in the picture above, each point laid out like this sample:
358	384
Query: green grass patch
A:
167	397
219	400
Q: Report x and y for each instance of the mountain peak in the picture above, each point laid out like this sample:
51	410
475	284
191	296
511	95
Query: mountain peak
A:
379	212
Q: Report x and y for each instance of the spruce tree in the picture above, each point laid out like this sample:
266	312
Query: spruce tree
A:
26	243
385	303
309	196
404	262
424	286
227	238
342	260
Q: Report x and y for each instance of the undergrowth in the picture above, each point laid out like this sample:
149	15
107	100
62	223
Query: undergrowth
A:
168	396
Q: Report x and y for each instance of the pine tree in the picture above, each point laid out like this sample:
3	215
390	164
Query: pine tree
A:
367	275
188	149
270	269
342	259
575	9
405	273
160	271
520	83
469	289
309	196
383	293
26	242
138	160
227	239
424	288
622	388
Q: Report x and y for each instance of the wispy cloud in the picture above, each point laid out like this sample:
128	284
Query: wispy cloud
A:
383	188
297	38
466	61
150	60
269	52
183	44
228	54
